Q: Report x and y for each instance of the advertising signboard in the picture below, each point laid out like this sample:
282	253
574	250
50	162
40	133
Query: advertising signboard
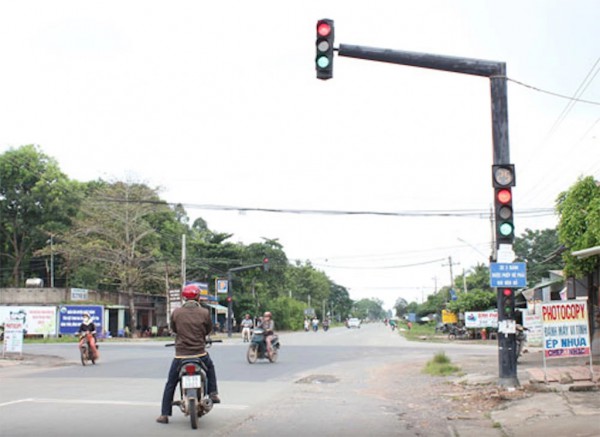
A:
481	319
565	329
71	316
13	336
37	320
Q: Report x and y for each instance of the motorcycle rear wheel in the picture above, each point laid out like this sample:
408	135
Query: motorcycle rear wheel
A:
193	410
252	354
274	355
452	336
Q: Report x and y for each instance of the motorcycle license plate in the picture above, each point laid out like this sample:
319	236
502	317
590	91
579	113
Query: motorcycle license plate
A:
191	381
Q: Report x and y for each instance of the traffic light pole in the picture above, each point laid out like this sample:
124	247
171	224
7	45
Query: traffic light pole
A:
496	72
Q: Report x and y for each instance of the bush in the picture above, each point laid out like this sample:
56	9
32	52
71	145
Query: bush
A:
440	365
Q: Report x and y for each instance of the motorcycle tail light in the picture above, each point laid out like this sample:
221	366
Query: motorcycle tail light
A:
190	369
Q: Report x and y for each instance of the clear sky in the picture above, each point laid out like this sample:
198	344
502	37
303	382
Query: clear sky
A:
217	103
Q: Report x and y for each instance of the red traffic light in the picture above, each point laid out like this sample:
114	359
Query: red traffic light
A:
507	292
323	28
504	196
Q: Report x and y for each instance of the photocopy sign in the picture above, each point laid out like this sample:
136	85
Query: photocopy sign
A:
565	329
13	336
513	275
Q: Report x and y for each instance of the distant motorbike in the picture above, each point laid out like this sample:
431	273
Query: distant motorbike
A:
194	399
85	348
258	347
459	332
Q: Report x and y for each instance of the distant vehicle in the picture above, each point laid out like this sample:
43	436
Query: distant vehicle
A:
353	323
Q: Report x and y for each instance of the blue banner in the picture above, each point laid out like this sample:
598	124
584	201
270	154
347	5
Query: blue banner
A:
70	318
512	275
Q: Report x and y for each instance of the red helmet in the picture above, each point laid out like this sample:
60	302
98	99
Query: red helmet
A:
190	292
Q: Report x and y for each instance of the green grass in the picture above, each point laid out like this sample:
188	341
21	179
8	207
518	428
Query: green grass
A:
440	365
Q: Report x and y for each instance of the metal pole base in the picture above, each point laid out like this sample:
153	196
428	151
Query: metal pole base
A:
508	382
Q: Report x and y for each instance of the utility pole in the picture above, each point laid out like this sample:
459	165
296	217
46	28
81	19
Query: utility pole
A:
451	273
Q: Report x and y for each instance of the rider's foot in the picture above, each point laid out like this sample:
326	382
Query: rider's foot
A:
214	397
162	419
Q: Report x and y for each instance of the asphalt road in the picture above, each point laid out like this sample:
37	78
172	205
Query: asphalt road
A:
334	383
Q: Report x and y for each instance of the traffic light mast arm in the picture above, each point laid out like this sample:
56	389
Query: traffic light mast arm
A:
477	67
242	268
496	71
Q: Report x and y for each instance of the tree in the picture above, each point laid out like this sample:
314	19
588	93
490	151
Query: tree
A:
537	248
401	307
36	201
579	224
113	231
371	309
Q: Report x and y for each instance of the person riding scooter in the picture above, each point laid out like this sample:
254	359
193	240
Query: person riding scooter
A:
88	326
269	327
247	324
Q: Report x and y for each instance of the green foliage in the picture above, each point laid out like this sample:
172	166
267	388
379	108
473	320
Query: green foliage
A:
536	249
36	201
473	300
288	313
371	309
440	365
579	224
400	307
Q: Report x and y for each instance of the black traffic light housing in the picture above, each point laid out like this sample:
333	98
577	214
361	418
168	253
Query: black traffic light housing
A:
503	179
265	264
507	304
324	46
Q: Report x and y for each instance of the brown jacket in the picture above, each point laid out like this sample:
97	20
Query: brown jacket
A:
192	324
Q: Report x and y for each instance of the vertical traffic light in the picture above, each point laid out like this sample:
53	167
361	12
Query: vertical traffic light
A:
503	178
507	304
324	59
265	264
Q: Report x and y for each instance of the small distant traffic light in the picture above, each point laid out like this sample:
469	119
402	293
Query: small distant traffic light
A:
507	304
324	43
503	179
265	264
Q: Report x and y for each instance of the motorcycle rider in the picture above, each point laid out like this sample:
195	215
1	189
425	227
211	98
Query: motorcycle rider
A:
88	326
247	324
191	323
268	325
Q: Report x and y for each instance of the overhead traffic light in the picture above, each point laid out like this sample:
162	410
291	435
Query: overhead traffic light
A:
503	179
507	304
324	43
266	264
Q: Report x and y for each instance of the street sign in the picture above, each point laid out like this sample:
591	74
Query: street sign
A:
512	275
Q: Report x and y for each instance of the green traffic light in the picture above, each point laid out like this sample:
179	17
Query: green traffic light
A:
323	62
505	229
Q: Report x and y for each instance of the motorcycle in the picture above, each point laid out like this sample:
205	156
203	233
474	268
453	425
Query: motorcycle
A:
85	348
258	347
521	338
194	399
455	332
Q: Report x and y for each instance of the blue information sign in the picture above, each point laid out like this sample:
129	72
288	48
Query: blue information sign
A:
512	275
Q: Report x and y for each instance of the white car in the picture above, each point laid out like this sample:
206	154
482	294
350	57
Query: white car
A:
353	323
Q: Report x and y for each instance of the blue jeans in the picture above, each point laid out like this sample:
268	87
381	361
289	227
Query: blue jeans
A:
167	400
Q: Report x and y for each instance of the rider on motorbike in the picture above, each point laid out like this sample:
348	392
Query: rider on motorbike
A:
268	325
87	326
191	323
247	325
